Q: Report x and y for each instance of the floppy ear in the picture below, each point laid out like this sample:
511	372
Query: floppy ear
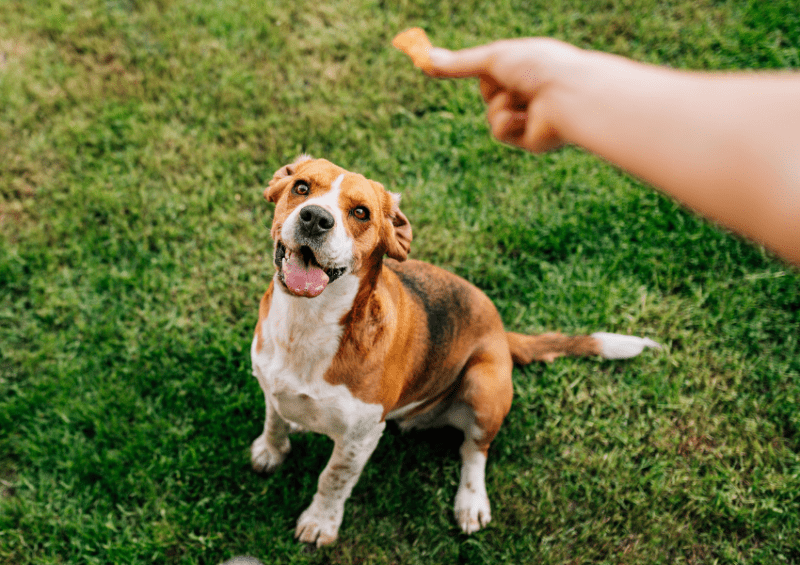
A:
399	239
280	179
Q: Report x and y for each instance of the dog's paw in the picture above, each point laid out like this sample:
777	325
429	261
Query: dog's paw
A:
265	457
472	510
318	526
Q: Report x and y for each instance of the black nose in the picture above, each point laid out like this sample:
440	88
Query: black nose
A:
315	220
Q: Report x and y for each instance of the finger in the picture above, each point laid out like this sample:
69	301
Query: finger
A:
509	127
472	62
540	135
519	102
499	102
507	122
527	128
489	88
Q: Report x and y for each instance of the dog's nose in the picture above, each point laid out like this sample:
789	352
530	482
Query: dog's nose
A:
315	220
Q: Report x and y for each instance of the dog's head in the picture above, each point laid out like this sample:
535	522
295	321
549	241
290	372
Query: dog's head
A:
329	222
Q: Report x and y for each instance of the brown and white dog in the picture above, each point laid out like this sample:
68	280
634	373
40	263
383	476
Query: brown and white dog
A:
347	339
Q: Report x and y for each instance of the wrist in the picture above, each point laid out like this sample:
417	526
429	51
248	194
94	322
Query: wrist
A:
595	92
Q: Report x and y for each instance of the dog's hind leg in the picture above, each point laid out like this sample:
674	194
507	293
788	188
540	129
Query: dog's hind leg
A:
484	401
472	509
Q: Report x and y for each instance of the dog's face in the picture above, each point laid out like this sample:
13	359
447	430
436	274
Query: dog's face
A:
329	222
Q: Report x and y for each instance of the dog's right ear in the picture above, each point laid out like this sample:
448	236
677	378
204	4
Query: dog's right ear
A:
280	179
400	235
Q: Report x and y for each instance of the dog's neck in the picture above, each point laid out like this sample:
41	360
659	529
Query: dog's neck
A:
313	329
310	328
298	313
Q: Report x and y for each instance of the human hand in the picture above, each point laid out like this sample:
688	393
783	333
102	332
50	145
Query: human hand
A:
518	80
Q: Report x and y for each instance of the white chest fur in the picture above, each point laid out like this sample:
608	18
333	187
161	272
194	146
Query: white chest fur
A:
300	339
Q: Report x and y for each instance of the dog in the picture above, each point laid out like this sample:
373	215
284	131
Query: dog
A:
350	334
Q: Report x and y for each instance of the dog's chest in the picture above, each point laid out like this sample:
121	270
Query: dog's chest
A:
299	346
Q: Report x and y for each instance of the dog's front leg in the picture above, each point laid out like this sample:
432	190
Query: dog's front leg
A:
270	449
320	521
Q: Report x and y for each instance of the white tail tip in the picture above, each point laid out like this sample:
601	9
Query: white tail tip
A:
618	346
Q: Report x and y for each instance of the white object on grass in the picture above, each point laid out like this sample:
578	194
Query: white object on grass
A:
618	346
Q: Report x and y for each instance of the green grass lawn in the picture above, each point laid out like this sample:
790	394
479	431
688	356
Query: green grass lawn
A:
135	141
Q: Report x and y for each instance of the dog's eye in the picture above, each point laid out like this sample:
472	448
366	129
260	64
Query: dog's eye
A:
301	188
361	213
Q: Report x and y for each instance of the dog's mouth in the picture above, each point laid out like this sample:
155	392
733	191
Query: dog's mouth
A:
301	273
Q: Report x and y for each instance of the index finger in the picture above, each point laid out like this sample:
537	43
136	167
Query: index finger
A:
471	62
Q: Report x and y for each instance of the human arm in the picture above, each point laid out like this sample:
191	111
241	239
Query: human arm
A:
724	144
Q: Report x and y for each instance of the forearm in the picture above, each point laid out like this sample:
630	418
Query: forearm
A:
727	146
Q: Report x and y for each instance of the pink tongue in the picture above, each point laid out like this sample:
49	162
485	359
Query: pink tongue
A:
303	280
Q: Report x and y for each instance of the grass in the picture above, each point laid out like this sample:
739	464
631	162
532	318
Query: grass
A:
136	141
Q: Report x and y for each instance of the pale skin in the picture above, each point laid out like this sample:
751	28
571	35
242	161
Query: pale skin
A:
724	144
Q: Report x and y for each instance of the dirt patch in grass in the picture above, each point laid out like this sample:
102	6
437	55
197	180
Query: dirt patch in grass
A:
12	51
106	72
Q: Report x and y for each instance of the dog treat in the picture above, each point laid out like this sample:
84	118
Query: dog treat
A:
414	42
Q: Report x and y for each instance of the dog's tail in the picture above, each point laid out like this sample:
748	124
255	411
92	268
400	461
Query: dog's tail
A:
547	347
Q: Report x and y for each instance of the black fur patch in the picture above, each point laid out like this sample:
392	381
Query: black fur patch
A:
446	305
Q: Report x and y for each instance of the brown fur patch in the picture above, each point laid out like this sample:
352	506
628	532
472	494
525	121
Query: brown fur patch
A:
419	333
547	347
263	312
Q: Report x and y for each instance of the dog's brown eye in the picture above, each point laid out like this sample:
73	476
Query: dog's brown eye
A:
300	188
361	213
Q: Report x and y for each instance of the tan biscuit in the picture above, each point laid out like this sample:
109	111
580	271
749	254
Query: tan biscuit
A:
414	42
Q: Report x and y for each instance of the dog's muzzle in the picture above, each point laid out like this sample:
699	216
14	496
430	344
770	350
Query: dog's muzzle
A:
299	269
314	223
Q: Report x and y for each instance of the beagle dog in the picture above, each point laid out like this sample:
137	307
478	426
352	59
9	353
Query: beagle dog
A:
351	334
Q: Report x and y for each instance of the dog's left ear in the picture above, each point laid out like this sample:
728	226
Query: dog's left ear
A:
280	179
400	235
